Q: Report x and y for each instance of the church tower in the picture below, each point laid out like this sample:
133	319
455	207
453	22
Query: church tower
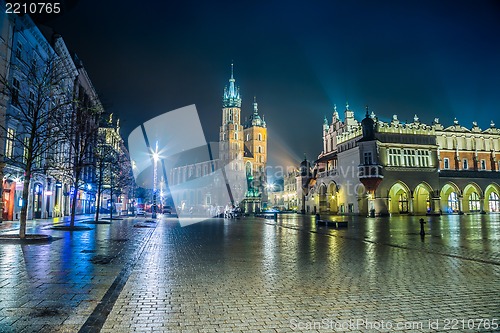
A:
231	132
255	155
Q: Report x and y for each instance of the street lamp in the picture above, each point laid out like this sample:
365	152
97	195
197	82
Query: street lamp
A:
270	187
156	157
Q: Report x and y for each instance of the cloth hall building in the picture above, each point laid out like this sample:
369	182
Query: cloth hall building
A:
378	168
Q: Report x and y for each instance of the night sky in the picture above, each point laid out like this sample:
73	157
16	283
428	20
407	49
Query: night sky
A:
431	58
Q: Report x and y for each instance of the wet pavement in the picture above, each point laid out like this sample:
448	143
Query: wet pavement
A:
256	275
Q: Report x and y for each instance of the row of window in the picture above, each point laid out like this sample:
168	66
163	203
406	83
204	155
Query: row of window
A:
408	157
474	202
454	203
465	164
471	144
248	137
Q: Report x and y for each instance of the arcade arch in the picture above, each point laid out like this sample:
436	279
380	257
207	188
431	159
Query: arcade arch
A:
422	199
399	198
450	198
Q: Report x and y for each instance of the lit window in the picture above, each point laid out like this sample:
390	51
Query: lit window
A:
474	202
25	152
9	144
403	203
494	202
453	204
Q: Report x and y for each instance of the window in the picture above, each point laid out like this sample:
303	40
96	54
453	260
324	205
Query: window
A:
403	203
248	137
25	149
259	149
367	158
409	157
423	158
350	208
453	204
465	164
16	87
494	202
31	102
9	143
446	163
260	137
19	51
483	165
474	202
236	136
38	161
395	157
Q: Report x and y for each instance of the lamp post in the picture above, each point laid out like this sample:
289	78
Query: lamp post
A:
155	179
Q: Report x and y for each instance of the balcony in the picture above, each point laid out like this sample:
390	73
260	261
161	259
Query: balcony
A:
370	171
329	173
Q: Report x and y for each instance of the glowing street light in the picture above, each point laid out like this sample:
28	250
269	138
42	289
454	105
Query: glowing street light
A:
156	157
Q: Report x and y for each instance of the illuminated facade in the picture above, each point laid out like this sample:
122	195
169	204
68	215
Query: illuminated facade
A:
286	198
379	168
24	49
113	169
242	153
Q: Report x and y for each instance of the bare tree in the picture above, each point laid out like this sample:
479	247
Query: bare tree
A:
122	178
103	152
113	168
80	134
39	99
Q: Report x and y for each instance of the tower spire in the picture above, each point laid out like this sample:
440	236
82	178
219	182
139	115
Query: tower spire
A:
232	93
255	106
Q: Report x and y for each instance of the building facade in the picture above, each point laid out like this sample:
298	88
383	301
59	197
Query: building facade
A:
242	154
285	199
378	168
113	170
29	56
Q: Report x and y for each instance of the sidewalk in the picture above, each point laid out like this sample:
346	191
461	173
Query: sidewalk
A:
32	225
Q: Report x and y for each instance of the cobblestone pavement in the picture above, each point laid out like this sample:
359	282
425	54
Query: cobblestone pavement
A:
255	275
